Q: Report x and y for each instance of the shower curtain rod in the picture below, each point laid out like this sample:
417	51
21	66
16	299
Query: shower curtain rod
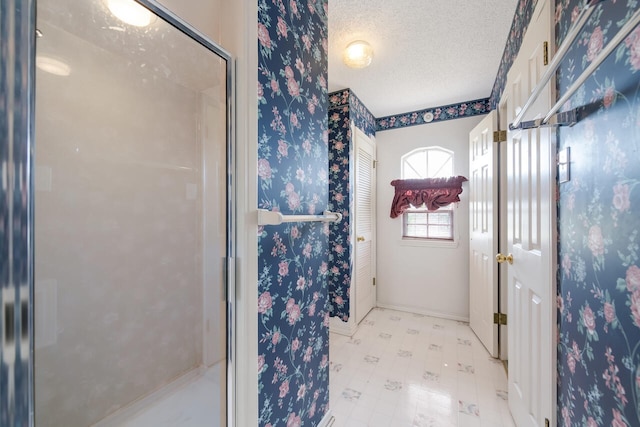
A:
573	32
266	217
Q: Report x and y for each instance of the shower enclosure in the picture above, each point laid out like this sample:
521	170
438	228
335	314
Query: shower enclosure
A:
130	221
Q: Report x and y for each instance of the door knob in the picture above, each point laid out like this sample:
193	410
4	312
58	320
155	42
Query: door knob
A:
360	239
501	258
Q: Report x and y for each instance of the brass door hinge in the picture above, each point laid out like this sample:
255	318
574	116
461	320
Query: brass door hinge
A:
546	422
499	136
374	281
545	53
375	163
499	319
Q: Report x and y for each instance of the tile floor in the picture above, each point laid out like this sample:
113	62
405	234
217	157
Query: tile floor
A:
402	369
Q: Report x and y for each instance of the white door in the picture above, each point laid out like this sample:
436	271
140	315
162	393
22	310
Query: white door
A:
483	245
531	285
364	191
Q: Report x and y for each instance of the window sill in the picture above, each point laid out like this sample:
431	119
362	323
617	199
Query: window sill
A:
408	241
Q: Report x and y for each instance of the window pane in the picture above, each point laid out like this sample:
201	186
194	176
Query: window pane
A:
415	166
440	218
417	217
429	162
440	164
417	231
439	232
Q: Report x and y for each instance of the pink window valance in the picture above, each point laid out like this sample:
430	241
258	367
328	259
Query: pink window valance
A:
434	193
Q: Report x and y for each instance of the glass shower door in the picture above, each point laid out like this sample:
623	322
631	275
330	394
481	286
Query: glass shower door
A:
130	231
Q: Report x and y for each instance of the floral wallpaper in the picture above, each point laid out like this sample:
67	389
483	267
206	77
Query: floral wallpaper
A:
344	107
436	114
599	226
360	114
521	20
293	316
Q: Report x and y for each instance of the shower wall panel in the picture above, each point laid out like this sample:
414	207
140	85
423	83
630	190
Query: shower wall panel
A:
119	227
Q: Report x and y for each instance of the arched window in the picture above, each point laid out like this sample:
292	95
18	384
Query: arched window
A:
427	162
418	222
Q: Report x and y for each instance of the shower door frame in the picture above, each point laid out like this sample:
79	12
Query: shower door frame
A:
17	127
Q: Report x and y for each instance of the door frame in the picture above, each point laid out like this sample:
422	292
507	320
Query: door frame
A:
503	295
18	17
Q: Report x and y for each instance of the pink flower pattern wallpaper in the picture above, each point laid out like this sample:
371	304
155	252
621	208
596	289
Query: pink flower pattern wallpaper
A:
599	225
344	108
599	210
293	315
437	114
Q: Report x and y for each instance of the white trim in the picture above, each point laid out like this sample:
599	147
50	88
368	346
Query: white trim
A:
241	31
433	243
327	420
337	326
429	313
503	289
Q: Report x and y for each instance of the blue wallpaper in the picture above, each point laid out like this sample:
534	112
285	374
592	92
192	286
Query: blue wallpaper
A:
521	20
358	112
599	226
293	316
344	107
438	114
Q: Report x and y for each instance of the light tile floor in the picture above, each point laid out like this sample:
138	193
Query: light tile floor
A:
401	369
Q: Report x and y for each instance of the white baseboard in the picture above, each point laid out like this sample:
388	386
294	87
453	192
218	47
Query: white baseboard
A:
123	414
423	312
327	420
337	326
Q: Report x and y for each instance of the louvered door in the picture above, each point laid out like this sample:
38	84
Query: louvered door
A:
364	257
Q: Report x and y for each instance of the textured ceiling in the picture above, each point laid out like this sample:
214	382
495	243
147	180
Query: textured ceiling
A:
427	53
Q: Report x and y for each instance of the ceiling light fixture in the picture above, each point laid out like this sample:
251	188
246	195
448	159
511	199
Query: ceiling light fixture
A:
130	12
358	54
53	66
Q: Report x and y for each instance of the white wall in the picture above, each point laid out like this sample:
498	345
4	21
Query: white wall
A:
204	15
427	279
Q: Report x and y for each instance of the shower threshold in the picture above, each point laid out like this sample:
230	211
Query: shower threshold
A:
192	400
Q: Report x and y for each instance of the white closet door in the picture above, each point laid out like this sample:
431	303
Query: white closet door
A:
364	192
483	227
